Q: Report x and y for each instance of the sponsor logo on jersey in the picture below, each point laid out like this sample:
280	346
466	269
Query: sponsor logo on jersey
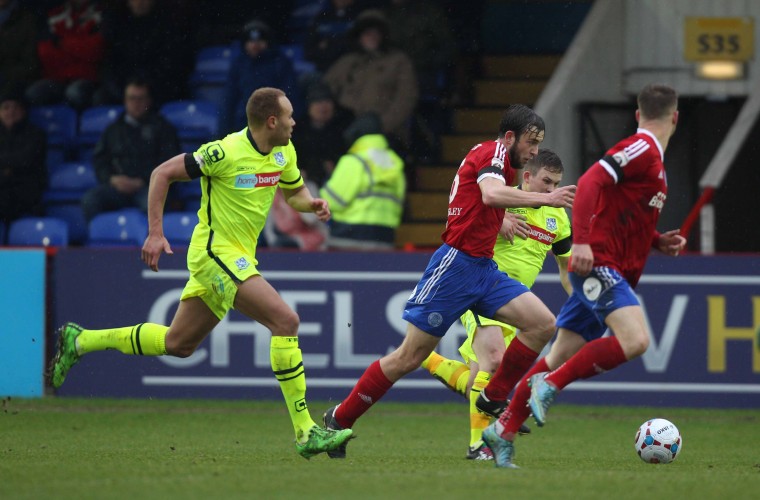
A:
242	263
279	159
658	201
300	405
249	181
542	235
213	153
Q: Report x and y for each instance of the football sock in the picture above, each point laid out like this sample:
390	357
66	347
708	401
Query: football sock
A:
478	421
516	361
371	386
145	339
287	365
598	356
454	374
518	410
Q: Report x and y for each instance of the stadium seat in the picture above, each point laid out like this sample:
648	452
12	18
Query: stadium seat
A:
38	231
188	191
60	124
178	227
196	121
71	212
212	64
128	227
301	66
69	181
92	123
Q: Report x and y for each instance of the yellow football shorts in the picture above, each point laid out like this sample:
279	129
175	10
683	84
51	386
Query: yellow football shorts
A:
214	279
470	324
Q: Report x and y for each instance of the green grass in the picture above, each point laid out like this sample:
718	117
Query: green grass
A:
77	448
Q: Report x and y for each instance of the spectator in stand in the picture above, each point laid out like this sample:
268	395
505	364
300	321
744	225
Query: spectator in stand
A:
142	40
261	64
23	176
127	152
70	55
327	38
320	138
366	191
18	46
375	78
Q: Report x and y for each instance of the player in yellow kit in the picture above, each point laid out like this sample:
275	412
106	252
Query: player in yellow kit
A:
541	229
239	177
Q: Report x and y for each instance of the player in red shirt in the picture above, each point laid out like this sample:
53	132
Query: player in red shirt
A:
461	274
614	227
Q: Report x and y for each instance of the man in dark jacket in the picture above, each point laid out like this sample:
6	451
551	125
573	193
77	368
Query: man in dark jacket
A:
18	45
127	152
23	177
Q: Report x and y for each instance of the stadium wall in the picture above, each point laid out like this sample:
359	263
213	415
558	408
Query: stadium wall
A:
702	313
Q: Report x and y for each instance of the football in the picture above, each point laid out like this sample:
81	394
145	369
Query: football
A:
658	441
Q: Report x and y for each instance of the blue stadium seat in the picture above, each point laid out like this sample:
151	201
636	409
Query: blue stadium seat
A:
294	52
212	64
70	212
38	232
195	120
188	191
128	227
60	124
92	123
178	227
69	181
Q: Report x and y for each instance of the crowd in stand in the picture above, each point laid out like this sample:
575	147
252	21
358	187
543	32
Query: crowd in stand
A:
341	62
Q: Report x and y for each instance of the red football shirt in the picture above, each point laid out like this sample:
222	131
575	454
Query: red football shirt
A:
472	226
632	187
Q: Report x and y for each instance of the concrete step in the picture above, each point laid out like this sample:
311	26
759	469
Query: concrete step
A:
425	207
520	66
506	92
477	120
420	235
455	147
435	178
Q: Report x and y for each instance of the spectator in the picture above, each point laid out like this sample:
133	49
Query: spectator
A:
23	176
375	78
129	149
286	227
261	64
366	191
18	50
320	138
327	38
70	55
143	41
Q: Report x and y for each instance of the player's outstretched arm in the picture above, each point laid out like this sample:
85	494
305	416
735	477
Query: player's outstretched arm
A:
671	242
497	194
302	200
169	171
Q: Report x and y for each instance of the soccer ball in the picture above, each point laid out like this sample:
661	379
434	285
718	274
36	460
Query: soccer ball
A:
658	441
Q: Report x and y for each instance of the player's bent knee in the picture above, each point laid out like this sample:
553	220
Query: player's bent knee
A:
180	349
287	325
634	346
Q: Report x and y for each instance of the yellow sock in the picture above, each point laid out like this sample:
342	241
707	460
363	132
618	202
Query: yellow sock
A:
478	421
454	374
287	365
145	339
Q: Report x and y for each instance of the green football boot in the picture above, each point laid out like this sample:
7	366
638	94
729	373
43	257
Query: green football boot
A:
322	440
66	354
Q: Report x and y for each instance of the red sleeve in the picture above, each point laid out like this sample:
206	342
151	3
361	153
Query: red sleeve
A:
656	239
590	186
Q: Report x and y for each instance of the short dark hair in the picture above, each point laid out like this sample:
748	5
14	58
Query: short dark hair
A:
548	159
519	119
262	104
657	100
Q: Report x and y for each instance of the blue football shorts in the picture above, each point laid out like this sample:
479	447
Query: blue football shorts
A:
594	297
454	282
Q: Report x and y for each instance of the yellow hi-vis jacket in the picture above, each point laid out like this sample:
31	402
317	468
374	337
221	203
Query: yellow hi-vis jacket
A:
367	187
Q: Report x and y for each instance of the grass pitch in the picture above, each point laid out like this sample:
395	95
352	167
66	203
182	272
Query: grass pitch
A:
96	448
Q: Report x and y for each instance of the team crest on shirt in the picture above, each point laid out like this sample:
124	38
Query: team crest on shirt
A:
279	159
435	319
551	223
242	263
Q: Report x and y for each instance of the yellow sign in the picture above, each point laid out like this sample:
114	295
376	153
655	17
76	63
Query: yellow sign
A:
719	39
